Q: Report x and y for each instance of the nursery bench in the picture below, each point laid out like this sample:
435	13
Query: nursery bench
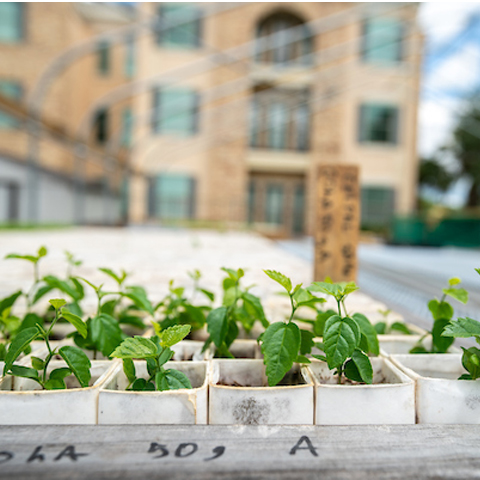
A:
239	452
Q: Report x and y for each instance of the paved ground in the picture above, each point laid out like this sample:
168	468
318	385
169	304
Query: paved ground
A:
154	256
406	278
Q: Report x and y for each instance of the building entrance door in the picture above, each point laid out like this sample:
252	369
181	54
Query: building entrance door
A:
276	203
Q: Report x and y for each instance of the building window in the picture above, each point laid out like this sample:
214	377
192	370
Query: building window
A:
377	206
274	204
378	123
103	57
180	26
175	111
11	22
130	51
127	127
172	197
280	120
12	90
382	41
101	126
283	39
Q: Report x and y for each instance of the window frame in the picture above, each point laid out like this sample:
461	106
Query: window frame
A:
103	58
400	49
362	130
194	112
22	25
197	20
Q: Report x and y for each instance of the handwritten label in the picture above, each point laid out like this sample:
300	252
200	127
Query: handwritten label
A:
338	223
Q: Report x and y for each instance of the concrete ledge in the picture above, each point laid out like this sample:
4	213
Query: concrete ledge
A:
202	452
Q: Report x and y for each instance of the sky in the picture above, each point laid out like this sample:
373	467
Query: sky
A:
451	72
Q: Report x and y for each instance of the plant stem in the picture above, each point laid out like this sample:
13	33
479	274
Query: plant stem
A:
340	372
339	308
50	352
344	307
293	308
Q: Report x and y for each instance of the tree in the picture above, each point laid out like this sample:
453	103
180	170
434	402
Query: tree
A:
466	149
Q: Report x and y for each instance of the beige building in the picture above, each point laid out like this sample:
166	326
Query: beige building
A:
228	109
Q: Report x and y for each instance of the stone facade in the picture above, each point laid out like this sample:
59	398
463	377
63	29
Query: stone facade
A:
223	72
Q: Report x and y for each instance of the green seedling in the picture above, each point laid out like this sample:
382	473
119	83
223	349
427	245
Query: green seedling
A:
103	331
156	352
240	307
466	328
284	343
347	340
442	312
384	327
130	314
77	362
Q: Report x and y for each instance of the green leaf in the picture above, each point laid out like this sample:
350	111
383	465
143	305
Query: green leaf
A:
380	328
319	325
207	293
29	258
471	361
440	343
78	363
337	290
362	362
465	376
280	278
400	327
173	335
118	278
136	347
341	337
459	294
306	342
106	333
8	302
350	370
440	309
76	321
217	324
171	380
61	285
41	292
418	349
141	385
302	359
25	372
323	358
108	307
138	296
232	333
30	321
462	328
60	373
280	346
302	295
18	345
255	305
54	384
165	355
454	281
3	352
42	251
38	363
57	303
89	283
129	369
368	331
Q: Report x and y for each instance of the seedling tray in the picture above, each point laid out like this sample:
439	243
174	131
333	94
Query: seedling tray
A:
239	452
